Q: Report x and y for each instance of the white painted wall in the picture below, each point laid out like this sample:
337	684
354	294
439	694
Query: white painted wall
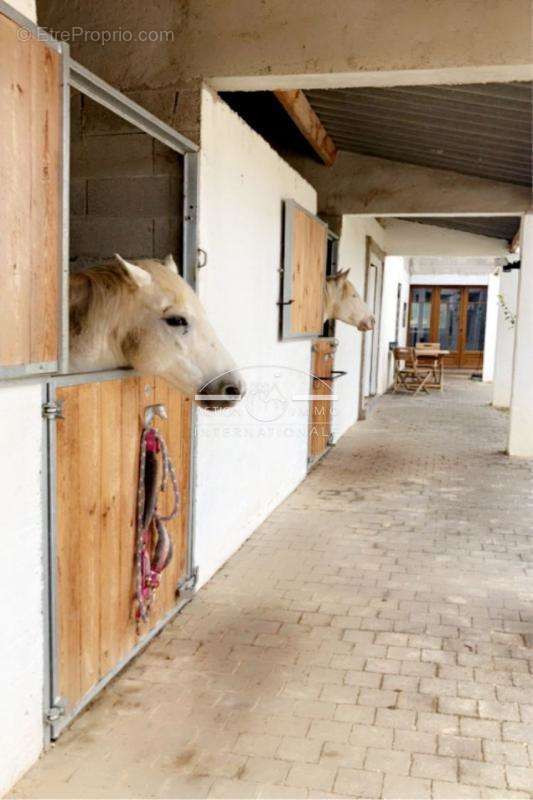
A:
396	272
415	239
505	338
246	462
453	265
21	586
26	7
352	256
521	426
457	279
491	328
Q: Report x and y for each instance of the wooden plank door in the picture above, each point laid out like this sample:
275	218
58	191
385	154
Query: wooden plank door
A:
321	402
30	177
304	273
97	457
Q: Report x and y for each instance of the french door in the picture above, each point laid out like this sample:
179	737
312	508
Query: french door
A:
453	316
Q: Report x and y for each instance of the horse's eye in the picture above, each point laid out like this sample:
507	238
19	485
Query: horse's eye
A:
176	322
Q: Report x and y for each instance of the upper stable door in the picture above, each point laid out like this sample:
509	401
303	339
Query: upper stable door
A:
304	268
31	105
455	317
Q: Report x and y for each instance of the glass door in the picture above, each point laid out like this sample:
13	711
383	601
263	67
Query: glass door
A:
450	323
455	317
475	314
420	315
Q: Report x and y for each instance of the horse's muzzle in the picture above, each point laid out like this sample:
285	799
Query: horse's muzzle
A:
224	391
367	324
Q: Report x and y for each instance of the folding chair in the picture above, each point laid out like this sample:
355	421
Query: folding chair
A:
411	377
432	361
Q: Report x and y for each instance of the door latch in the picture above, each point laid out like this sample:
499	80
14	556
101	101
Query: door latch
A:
55	712
53	409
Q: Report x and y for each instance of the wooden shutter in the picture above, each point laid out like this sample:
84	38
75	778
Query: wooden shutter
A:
30	251
304	273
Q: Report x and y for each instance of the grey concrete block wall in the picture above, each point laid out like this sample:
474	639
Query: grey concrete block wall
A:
140	196
126	190
99	237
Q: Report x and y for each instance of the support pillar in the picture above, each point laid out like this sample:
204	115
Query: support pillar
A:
505	337
521	422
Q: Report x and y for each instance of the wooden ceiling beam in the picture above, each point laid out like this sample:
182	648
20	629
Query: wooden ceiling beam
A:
514	247
304	117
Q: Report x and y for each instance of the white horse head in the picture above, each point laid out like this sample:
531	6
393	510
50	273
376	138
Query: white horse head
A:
342	301
143	315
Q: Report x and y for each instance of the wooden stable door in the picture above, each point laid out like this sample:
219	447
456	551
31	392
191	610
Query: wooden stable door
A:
455	317
97	461
30	180
321	397
305	247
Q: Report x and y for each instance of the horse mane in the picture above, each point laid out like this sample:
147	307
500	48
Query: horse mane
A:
97	292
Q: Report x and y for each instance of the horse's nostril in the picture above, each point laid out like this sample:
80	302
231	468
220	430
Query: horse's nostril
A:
231	389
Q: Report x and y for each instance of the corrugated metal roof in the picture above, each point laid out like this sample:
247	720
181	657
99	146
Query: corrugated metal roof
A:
476	129
499	227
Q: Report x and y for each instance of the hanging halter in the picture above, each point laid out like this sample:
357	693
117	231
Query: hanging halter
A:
154	545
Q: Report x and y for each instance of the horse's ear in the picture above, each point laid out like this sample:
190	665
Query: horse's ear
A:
342	275
338	277
139	276
170	264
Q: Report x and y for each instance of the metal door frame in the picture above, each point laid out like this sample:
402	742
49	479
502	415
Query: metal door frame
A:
372	249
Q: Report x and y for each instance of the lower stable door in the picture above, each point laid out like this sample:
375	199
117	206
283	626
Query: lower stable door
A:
321	397
94	500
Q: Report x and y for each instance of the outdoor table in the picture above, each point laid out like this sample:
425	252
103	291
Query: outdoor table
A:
433	355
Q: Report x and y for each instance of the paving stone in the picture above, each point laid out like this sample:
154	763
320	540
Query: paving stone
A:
342	755
397	787
396	762
295	749
311	776
444	790
441	768
358	783
327	730
462	746
415	742
520	778
481	774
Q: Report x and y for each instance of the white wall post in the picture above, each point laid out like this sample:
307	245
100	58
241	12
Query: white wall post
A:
491	325
505	338
521	423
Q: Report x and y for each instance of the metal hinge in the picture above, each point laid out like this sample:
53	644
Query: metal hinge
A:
55	712
189	584
53	409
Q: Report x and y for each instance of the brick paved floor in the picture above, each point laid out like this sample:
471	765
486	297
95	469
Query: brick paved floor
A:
367	641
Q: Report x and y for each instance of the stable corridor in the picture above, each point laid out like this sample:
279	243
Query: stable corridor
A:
369	640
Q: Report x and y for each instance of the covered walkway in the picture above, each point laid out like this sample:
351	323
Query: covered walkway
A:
370	639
